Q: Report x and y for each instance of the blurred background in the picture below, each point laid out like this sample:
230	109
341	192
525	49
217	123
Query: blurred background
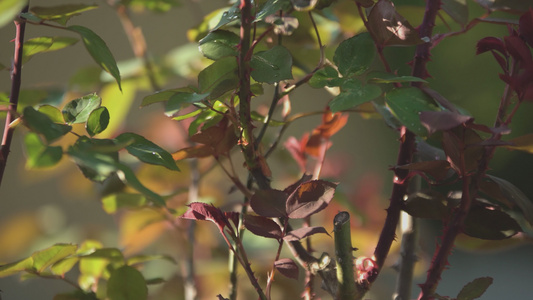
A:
41	207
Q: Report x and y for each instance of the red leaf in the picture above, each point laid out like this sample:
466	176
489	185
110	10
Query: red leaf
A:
442	120
262	226
297	150
207	212
291	188
304	232
389	28
518	49
269	203
310	198
491	43
526	26
287	267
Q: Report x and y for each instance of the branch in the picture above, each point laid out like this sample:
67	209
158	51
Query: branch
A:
16	80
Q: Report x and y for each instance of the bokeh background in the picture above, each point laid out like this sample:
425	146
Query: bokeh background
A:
41	207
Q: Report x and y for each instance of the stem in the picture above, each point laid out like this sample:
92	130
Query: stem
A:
190	283
347	288
16	80
408	257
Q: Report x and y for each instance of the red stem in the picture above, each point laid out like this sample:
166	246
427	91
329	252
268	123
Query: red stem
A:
16	80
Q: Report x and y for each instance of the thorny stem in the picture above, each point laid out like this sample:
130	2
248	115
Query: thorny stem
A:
16	80
278	253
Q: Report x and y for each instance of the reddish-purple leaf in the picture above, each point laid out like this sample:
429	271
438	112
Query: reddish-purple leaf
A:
269	203
518	49
442	120
491	43
262	226
287	267
526	26
309	198
207	212
389	28
291	188
304	232
438	169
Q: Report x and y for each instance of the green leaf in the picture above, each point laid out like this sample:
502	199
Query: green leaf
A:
40	155
353	93
16	267
42	124
272	66
128	177
382	77
457	9
179	100
406	105
490	224
52	112
97	48
232	14
219	78
324	77
76	295
47	257
9	9
153	5
505	5
138	259
147	151
186	116
96	166
45	44
271	7
78	110
515	196
163	95
127	283
355	55
475	289
112	203
61	13
218	44
64	265
97	121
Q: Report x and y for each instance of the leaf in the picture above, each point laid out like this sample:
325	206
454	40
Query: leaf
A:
76	295
287	267
489	224
438	169
272	66
147	151
389	28
128	177
16	267
9	9
112	203
138	259
324	77
45	44
207	212
355	55
505	5
219	77
78	110
63	266
179	100
383	77
269	203
61	13
42	124
442	120
218	44
515	196
526	27
301	233
99	51
97	121
95	165
309	198
52	112
457	9
262	226
475	288
39	154
47	257
127	283
271	7
406	104
232	14
426	205
354	93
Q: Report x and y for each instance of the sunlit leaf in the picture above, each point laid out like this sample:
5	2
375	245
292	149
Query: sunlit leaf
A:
78	110
44	258
230	15
207	212
309	198
112	203
354	93
98	49
147	151
219	77
287	267
63	266
475	288
45	44
52	112
61	13
301	233
119	104
272	65
406	104
218	44
153	5
42	124
9	9
355	55
16	267
262	226
97	121
271	7
39	154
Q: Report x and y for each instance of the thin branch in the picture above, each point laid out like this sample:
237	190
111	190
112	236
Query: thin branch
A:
16	81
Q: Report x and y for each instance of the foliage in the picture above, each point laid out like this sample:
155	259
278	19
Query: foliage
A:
249	52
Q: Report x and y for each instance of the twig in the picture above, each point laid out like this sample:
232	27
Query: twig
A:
16	80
